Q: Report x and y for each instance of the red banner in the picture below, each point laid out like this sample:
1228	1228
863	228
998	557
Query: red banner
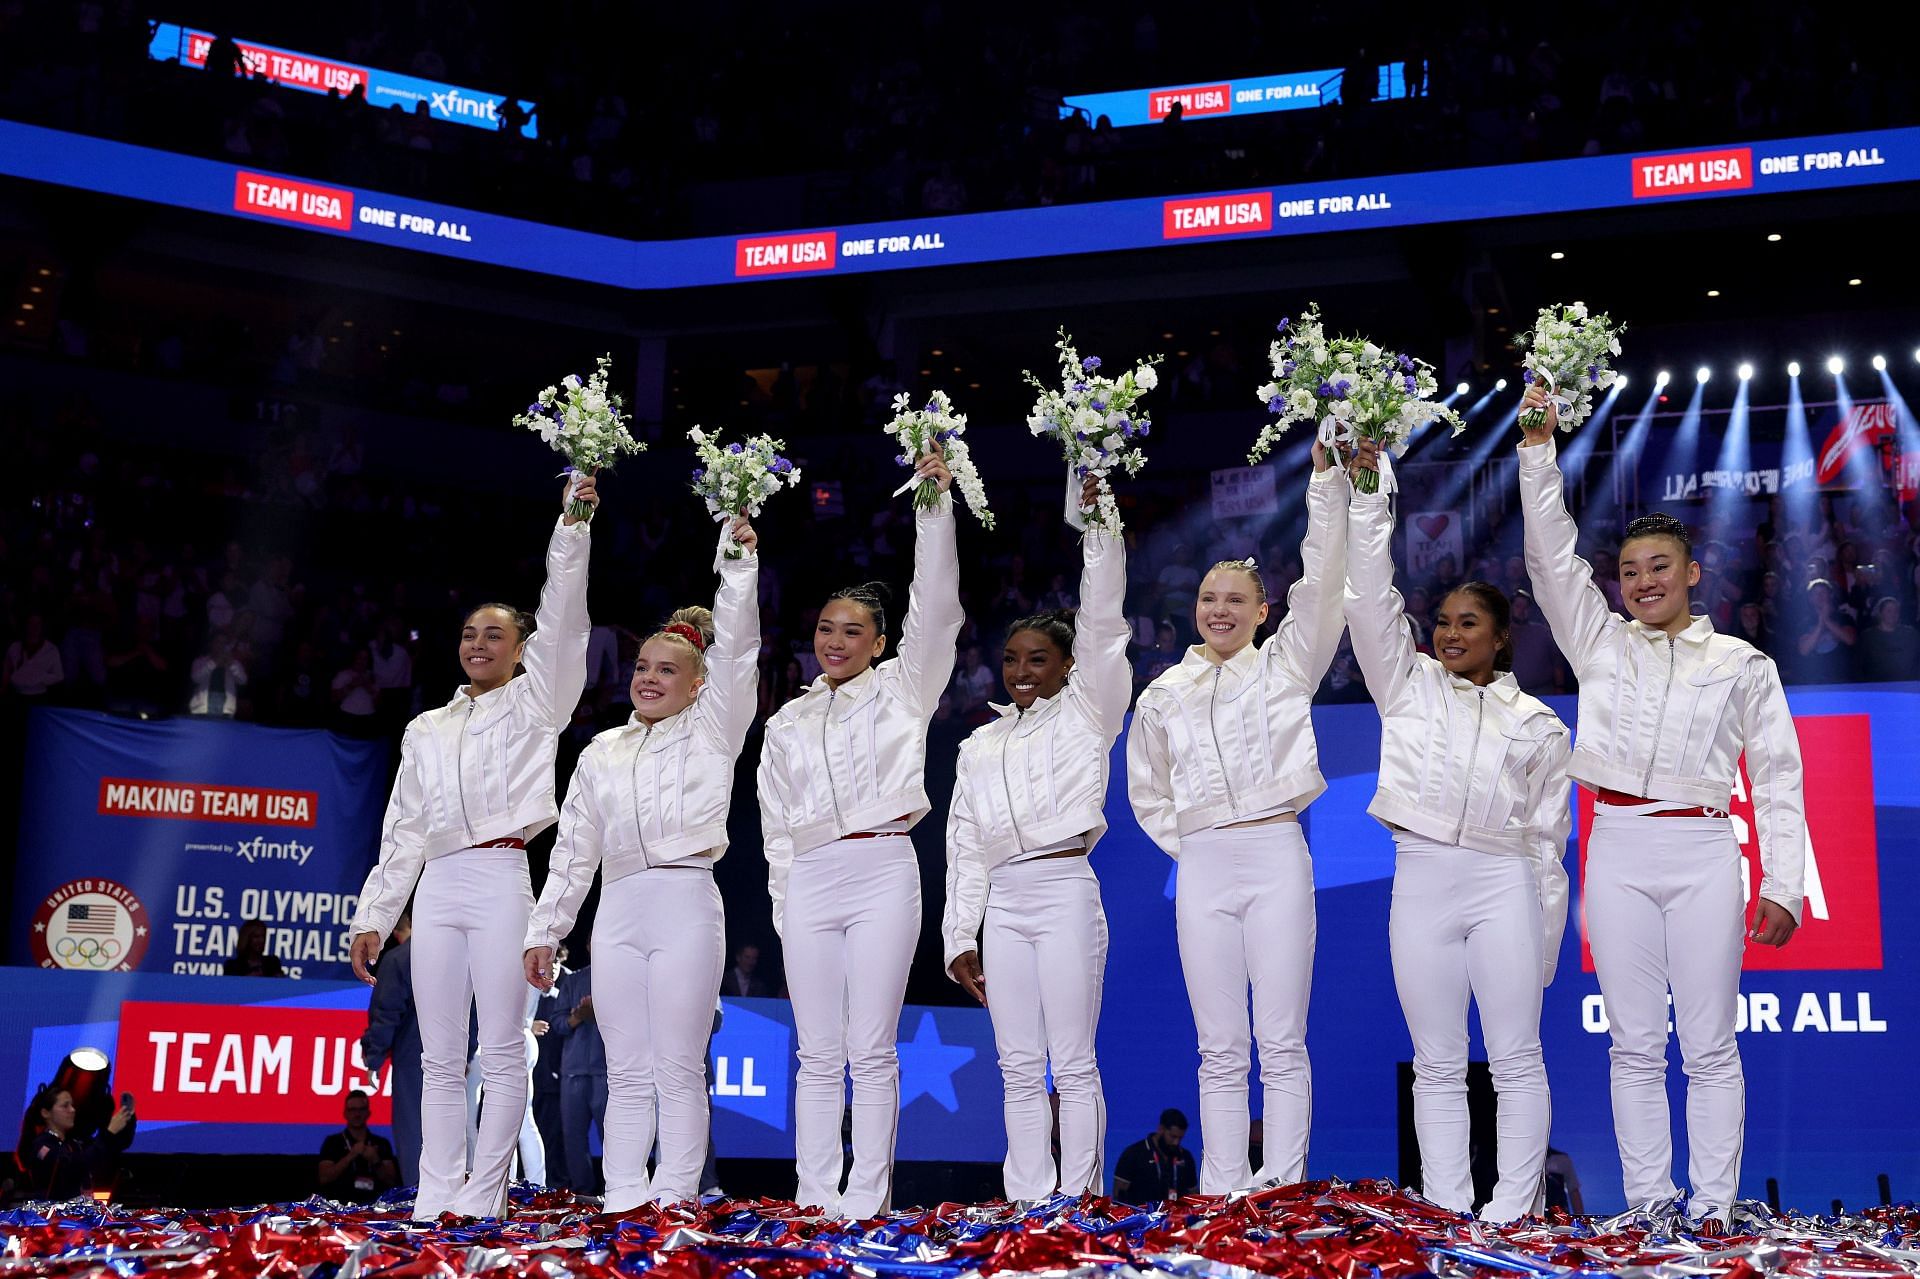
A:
1693	173
244	1063
1840	922
1209	99
198	801
292	200
1217	215
774	254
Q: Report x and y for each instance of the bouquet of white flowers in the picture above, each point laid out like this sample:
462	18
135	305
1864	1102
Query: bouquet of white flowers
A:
917	431
736	479
1569	350
1348	388
1096	423
583	422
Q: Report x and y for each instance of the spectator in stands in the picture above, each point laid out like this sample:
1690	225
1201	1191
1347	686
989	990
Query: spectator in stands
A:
1536	660
393	673
137	672
1889	649
356	693
1827	635
1157	1168
250	957
743	978
973	682
32	667
61	1164
218	677
356	1163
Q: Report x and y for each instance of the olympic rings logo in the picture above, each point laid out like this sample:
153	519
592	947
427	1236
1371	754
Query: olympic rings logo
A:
94	952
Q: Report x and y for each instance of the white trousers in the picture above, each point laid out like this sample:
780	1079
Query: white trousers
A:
533	1150
1243	909
659	947
1045	956
1466	925
465	956
1666	910
852	923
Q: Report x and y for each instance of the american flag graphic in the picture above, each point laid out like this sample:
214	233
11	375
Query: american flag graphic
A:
92	918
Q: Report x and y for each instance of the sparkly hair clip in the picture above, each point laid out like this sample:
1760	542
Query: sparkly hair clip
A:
1251	566
691	634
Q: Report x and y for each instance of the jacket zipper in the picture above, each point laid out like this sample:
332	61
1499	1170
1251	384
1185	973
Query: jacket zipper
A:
1020	843
1660	723
1473	751
460	770
826	758
1214	728
635	773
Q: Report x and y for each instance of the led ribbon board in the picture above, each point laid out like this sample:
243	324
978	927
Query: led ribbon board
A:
1221	99
1834	162
315	73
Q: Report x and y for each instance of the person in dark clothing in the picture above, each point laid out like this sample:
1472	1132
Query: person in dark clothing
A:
250	957
60	1165
356	1163
583	1077
1157	1168
546	1073
392	1038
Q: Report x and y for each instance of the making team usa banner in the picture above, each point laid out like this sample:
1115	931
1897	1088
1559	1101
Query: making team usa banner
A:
144	845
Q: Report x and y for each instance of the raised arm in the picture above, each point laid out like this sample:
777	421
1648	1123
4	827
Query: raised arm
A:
1562	582
576	856
1549	820
932	628
1100	631
1376	615
1779	799
556	653
771	784
966	875
1150	779
730	698
403	844
1310	632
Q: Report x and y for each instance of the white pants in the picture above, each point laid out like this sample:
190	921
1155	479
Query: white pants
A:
1243	908
659	946
1466	925
1665	909
852	923
533	1150
1045	955
468	914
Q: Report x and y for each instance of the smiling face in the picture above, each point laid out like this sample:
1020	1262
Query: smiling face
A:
1655	576
1466	637
846	641
490	648
666	676
1032	667
1228	609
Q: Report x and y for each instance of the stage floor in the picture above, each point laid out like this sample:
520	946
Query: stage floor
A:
1316	1230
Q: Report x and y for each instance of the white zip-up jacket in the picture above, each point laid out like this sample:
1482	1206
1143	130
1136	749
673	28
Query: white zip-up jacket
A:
1214	743
481	768
1033	780
1479	768
658	794
1666	717
837	761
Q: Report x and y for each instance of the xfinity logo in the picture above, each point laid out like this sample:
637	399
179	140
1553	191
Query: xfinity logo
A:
260	849
456	105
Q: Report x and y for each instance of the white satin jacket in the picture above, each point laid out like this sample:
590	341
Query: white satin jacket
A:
481	768
1214	743
1666	717
1033	780
837	761
658	794
1479	768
